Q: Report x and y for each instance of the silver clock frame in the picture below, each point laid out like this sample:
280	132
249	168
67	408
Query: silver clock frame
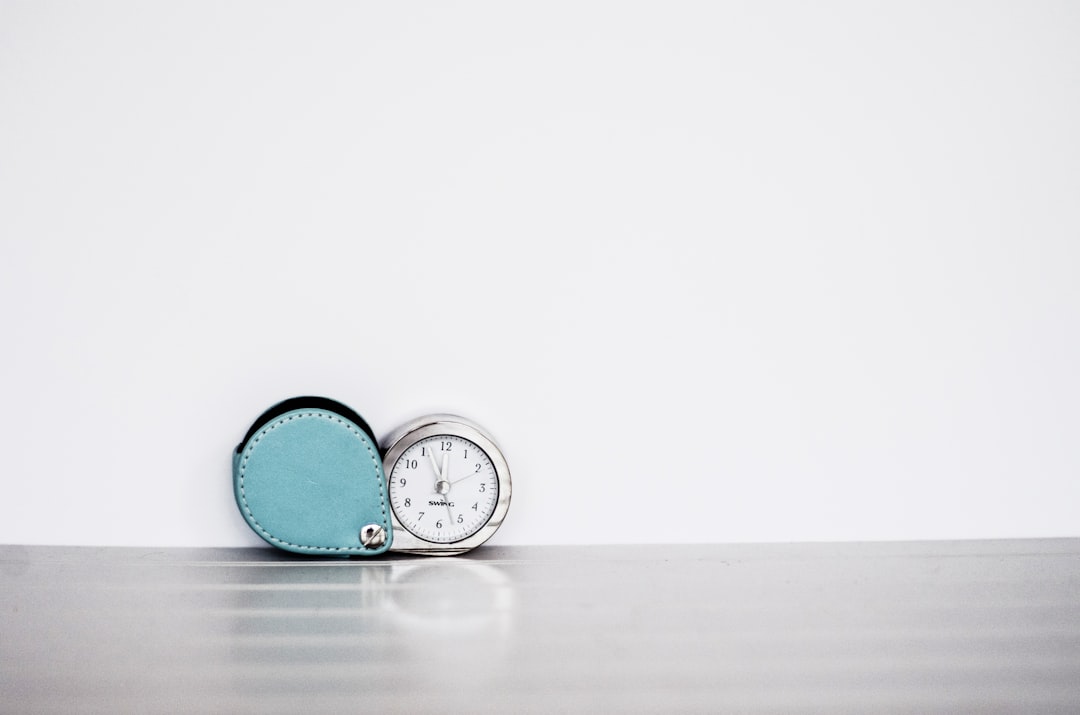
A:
454	426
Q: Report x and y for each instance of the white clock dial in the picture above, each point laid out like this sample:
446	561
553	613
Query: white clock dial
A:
444	488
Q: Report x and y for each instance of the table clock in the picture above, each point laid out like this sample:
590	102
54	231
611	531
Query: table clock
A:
449	485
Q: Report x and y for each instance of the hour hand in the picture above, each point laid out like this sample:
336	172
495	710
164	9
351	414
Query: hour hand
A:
434	465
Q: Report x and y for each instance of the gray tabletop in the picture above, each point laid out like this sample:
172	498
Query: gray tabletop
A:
927	627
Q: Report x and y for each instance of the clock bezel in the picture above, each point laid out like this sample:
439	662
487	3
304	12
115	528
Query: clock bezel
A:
423	428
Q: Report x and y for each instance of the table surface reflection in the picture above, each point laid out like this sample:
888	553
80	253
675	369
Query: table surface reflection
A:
990	626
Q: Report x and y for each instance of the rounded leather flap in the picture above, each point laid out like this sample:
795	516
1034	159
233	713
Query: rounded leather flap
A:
311	481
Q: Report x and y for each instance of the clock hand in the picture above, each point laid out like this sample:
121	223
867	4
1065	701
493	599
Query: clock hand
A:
461	479
434	465
442	486
448	483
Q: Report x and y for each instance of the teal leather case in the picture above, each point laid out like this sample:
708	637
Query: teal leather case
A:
309	479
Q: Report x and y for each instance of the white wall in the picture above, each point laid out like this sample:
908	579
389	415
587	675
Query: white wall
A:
710	272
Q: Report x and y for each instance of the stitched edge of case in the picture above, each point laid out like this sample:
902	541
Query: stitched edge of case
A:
250	447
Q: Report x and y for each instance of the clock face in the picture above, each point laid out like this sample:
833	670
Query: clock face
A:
444	488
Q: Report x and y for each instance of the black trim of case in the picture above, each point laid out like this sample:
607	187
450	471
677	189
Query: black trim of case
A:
309	402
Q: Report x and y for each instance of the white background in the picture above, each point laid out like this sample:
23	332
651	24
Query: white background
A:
709	272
